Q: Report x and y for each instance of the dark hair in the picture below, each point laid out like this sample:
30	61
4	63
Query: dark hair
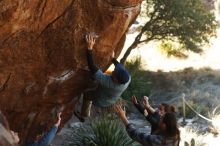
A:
168	108
121	74
170	122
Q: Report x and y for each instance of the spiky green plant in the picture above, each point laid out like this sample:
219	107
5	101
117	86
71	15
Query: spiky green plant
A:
103	131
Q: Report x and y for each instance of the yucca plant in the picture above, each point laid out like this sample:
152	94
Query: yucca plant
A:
103	131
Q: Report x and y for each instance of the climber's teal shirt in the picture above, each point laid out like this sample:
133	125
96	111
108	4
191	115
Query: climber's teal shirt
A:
46	139
108	92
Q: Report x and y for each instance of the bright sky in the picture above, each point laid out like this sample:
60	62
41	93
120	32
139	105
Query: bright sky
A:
154	60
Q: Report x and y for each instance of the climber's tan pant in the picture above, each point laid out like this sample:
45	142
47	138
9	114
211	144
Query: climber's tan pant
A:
87	104
86	108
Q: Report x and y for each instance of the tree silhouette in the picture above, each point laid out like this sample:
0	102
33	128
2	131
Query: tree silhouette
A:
188	22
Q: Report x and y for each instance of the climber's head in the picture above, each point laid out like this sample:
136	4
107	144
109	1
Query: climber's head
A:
120	74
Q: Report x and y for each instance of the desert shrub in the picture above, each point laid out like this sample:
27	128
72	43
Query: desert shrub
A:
103	131
140	84
202	109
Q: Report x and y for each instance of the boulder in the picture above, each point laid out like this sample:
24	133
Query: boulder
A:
43	65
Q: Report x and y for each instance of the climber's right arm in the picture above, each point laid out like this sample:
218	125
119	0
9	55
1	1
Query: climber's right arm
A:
92	67
100	77
114	60
90	43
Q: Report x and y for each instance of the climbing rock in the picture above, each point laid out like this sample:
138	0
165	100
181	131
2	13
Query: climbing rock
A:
43	66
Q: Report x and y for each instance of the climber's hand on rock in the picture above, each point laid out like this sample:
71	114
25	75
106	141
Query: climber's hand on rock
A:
90	39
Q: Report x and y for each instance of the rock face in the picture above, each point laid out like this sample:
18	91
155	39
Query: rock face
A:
42	55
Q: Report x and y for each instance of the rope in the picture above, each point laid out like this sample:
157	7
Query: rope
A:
201	116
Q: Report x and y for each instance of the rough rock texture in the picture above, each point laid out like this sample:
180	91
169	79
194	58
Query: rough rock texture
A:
42	54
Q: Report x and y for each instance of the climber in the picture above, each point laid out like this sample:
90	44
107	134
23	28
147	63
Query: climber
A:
110	86
152	115
46	139
170	134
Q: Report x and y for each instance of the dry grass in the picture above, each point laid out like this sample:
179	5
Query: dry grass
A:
206	139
